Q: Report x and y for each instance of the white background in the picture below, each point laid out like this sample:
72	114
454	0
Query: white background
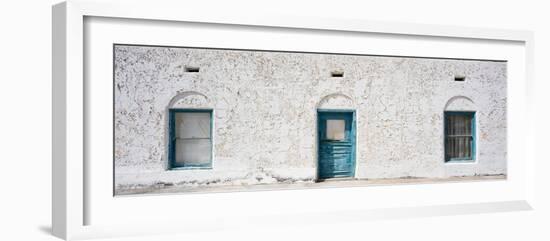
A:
25	124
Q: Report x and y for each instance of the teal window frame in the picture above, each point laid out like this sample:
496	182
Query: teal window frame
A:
172	139
472	157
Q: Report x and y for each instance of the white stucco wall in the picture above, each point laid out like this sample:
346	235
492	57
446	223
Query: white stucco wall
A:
264	106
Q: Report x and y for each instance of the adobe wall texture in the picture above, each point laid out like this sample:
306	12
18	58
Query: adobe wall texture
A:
265	118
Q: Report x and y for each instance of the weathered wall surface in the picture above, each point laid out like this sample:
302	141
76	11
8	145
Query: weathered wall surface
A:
265	113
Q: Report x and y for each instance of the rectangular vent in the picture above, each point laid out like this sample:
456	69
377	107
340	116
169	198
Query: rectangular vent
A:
337	73
192	69
460	78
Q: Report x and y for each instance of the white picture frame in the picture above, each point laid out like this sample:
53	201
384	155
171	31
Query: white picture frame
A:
72	192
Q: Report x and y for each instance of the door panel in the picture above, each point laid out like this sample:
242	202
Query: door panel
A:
336	144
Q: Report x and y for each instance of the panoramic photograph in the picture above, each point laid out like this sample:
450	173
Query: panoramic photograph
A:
195	120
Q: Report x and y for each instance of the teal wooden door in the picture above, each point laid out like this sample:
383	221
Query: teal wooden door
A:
336	144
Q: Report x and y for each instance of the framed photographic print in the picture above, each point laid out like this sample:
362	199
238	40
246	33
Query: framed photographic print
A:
195	120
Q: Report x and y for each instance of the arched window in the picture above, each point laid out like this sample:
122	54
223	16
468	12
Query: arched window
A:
460	130
189	132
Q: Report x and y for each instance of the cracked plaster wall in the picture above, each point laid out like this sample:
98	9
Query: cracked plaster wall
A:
265	113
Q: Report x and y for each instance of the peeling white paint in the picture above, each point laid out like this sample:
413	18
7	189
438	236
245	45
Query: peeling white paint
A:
265	113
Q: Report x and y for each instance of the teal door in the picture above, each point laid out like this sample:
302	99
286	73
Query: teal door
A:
336	144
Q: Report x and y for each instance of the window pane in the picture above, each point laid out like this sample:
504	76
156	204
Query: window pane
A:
336	130
459	124
192	125
193	152
459	147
